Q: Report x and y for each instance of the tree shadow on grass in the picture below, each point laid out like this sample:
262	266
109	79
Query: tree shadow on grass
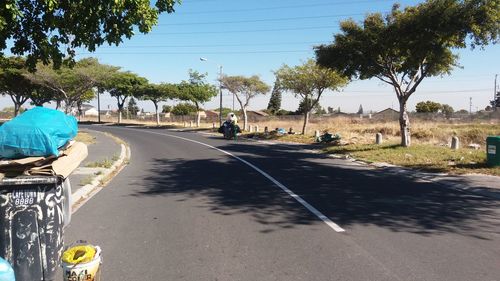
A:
349	195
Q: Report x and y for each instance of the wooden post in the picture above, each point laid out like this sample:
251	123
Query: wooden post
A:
256	128
378	138
266	130
316	134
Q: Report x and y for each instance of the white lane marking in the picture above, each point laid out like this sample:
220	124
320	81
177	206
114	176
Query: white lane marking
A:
299	199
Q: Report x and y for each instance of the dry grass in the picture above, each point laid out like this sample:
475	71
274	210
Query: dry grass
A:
362	131
85	137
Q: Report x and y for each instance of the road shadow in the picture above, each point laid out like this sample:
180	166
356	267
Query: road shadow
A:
349	195
227	188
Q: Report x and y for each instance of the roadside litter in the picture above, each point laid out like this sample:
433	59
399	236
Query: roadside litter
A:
329	138
82	262
37	132
37	154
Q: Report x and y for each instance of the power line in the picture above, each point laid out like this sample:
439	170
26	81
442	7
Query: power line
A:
197	53
263	20
217	45
284	7
242	31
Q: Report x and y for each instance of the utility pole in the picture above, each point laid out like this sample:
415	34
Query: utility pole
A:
496	95
470	108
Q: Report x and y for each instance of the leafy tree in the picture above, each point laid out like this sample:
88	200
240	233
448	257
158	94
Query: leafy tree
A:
166	109
408	45
244	89
184	108
132	107
330	110
428	107
13	83
309	81
360	110
303	108
463	111
197	91
51	30
275	100
71	85
447	110
157	93
122	85
42	95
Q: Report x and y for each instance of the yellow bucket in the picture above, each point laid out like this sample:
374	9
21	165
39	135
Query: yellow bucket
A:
82	263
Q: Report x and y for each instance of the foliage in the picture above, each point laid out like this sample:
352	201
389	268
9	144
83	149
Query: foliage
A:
13	83
132	107
244	89
73	85
166	109
275	101
408	45
360	110
447	110
309	81
304	108
184	108
50	30
428	107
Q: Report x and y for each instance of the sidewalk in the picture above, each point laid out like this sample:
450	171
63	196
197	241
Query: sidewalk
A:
102	154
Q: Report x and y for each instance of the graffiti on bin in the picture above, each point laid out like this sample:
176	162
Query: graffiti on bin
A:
34	218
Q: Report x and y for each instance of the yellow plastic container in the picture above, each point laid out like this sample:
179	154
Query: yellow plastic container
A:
82	263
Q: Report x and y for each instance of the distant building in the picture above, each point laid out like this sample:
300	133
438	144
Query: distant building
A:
387	113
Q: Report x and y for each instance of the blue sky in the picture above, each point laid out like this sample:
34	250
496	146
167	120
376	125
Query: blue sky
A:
257	37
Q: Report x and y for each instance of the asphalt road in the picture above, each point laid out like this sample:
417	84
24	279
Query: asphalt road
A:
185	211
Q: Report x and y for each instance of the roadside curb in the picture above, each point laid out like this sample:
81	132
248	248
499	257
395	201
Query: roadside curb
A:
85	193
438	178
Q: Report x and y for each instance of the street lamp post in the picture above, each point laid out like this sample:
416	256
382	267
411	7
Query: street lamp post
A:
220	88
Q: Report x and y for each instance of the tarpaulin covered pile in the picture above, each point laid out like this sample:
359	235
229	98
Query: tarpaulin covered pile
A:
40	142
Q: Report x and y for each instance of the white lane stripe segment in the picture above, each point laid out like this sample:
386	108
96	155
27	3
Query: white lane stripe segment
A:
299	199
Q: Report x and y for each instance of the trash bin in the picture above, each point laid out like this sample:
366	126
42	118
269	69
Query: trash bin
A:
493	151
33	213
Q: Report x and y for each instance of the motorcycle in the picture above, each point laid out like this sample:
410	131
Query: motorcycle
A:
229	130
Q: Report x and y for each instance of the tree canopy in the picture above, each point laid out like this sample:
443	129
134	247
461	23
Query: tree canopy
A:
13	82
309	81
274	104
244	89
50	30
404	47
197	91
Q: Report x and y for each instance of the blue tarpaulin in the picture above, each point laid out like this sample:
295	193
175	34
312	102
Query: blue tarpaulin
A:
37	132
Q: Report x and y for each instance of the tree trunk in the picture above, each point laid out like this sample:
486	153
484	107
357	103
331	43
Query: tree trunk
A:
16	109
157	114
404	124
198	115
245	119
306	121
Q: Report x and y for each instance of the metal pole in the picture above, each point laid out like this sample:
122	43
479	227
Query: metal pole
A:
220	92
495	95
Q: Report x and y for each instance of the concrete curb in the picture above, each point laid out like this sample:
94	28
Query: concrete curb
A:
85	193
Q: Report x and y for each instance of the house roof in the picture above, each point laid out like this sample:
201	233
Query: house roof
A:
261	113
388	110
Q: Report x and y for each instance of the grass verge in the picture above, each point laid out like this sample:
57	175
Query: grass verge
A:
420	156
85	137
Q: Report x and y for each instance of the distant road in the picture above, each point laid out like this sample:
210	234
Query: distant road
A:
183	210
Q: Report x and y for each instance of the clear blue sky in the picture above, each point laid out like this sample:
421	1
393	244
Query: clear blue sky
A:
257	37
